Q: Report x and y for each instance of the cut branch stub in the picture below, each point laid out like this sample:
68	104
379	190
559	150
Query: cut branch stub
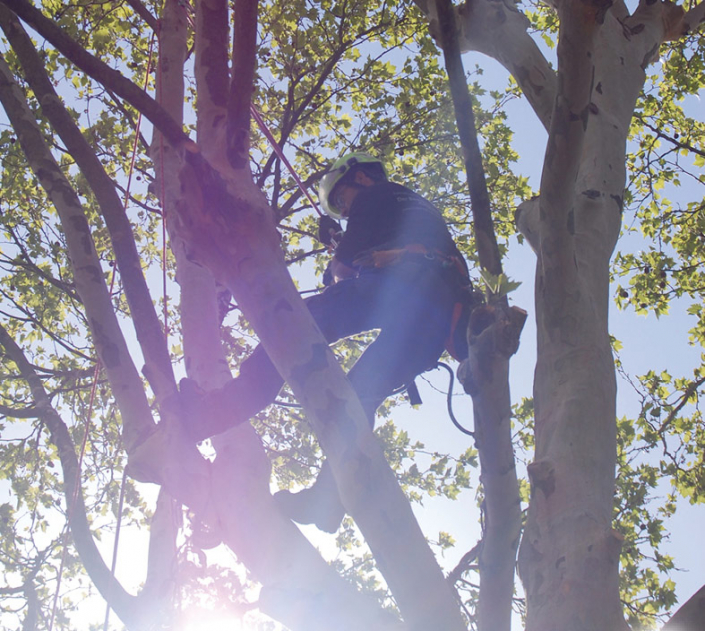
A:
493	333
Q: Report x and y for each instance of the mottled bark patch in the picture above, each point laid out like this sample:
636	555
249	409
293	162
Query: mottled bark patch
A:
283	305
109	355
80	226
543	477
301	372
93	272
523	76
335	411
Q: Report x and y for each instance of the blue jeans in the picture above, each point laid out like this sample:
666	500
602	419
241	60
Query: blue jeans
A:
411	304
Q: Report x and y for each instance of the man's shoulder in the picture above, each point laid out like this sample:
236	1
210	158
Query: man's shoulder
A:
389	200
391	192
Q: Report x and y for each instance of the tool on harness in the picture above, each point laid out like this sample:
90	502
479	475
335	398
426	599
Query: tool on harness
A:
412	392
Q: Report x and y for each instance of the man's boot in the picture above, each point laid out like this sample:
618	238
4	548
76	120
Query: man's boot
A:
319	505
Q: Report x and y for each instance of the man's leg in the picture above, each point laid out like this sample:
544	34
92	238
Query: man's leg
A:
415	320
339	311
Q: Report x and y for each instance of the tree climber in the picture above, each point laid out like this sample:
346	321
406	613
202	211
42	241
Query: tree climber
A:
395	268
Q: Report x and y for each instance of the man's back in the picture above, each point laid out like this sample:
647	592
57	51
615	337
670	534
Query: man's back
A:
389	216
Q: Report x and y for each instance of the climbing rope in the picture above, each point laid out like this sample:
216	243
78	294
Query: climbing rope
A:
280	153
449	399
123	484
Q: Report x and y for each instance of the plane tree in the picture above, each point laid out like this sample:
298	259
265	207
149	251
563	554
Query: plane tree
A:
326	77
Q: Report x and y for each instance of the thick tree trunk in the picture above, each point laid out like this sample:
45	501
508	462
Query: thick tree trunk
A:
569	555
235	498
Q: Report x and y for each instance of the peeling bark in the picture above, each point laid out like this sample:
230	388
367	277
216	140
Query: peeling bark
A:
569	555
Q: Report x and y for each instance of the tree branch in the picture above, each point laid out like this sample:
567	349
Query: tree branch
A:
109	587
497	29
485	240
690	616
692	21
25	261
493	336
90	283
144	13
147	325
242	83
464	564
100	71
28	412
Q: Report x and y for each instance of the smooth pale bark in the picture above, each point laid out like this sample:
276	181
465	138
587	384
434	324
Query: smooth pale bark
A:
88	274
239	508
569	554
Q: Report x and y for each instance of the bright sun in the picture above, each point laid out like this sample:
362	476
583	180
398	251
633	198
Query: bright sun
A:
209	621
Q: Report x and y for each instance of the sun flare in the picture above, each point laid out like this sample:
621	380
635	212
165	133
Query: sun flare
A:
209	621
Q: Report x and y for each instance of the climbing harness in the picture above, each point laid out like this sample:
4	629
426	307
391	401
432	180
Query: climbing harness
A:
467	299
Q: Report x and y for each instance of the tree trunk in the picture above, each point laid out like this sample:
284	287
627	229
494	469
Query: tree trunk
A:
569	556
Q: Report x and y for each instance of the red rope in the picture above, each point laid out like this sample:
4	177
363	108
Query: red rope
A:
123	484
280	153
265	130
165	308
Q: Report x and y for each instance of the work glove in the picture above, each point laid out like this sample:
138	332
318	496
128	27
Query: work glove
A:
329	230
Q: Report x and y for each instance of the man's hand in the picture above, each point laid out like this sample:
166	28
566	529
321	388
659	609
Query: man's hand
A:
329	231
337	271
